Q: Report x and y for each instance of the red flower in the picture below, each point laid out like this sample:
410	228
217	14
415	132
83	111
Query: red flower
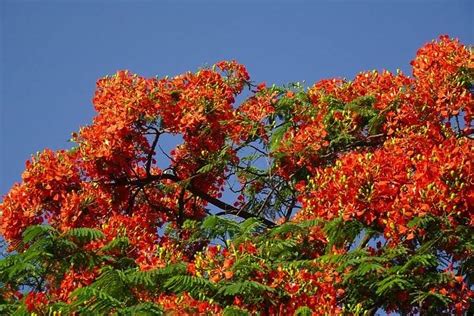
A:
34	301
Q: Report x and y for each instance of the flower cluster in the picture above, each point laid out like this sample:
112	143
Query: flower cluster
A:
322	173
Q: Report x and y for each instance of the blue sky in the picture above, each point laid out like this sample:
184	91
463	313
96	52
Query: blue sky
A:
52	52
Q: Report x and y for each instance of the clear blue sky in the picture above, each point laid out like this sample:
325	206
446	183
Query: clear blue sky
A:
52	52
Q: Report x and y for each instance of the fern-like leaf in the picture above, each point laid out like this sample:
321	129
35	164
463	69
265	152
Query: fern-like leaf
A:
85	234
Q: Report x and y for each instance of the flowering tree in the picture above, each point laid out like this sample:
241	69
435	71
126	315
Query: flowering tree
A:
344	198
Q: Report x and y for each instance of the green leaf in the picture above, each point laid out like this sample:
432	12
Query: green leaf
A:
90	299
35	231
85	234
141	309
303	311
216	226
244	288
288	227
206	168
391	282
8	309
121	243
234	311
277	136
421	296
187	283
366	268
155	277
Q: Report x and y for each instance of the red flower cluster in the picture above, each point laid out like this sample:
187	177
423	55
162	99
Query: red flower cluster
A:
383	150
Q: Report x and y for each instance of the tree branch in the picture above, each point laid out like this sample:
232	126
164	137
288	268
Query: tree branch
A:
180	219
290	208
152	151
227	208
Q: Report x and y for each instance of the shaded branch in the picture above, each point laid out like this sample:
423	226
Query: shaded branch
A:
290	208
152	151
227	208
180	219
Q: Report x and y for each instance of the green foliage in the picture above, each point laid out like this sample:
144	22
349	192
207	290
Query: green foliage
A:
225	229
119	243
381	275
303	311
84	234
277	136
155	277
251	290
93	300
141	309
233	311
196	286
342	233
34	232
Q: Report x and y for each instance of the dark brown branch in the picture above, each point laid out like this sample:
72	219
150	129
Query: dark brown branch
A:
131	201
267	199
365	240
167	210
258	150
458	125
152	152
180	219
290	209
370	141
227	208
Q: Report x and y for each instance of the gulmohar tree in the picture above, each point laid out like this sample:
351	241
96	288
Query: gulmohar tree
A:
344	198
